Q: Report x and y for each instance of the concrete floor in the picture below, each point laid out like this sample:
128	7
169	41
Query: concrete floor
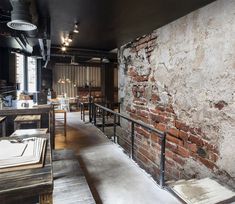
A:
112	176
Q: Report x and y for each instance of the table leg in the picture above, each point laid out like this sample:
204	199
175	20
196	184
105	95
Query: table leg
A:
4	128
46	199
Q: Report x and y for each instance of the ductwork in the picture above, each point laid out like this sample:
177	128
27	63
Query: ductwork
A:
21	16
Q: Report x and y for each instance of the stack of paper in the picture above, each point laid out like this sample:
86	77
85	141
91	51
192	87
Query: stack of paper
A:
15	153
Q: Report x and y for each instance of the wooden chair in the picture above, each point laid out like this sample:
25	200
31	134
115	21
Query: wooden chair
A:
58	117
27	119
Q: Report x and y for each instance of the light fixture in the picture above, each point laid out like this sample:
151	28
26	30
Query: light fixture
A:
70	37
75	29
63	48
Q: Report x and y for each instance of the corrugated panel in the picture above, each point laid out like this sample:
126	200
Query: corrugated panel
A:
78	77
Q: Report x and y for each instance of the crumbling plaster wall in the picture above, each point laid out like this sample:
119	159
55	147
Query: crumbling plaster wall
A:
188	65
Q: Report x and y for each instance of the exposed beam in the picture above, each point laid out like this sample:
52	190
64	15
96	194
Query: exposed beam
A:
84	53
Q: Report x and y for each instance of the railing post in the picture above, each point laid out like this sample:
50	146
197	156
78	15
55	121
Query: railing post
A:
114	128
103	120
132	138
94	106
162	161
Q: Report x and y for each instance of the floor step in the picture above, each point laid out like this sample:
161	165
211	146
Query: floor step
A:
70	184
203	191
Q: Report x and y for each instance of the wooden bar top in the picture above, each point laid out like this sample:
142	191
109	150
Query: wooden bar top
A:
20	184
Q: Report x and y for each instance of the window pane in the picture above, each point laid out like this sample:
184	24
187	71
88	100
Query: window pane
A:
20	70
32	74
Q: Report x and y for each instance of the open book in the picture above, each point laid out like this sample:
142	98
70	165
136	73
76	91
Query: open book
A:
18	153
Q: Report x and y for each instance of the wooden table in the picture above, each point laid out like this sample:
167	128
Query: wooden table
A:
29	132
18	185
35	110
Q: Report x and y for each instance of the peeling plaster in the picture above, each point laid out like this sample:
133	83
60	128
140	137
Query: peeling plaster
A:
194	68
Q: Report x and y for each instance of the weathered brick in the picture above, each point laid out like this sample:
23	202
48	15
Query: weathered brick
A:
195	139
155	98
132	72
174	132
157	118
170	110
182	151
191	147
207	163
169	154
174	140
139	78
181	126
161	127
213	157
142	132
171	146
155	138
183	135
179	160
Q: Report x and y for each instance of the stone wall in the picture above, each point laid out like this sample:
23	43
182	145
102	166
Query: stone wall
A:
181	79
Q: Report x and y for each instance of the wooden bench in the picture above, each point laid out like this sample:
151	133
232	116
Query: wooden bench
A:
3	125
27	119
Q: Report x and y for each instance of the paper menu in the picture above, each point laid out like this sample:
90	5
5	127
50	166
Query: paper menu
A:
9	149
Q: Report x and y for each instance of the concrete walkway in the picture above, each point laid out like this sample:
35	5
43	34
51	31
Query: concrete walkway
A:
112	176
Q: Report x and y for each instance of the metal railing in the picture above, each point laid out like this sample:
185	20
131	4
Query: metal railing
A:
162	135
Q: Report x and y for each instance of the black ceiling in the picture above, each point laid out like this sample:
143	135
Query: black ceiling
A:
107	24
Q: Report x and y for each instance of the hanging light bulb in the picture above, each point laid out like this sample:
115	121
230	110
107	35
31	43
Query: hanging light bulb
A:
63	48
70	37
75	30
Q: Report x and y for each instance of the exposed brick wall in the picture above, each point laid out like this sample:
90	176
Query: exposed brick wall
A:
193	143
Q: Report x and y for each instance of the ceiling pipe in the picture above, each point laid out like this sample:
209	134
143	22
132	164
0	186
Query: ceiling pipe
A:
21	15
41	44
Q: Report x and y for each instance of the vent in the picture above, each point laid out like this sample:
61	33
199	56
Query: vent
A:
21	25
20	16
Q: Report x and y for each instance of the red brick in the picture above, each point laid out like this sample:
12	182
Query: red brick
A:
160	108
178	160
213	157
195	139
183	152
174	132
183	135
132	72
155	98
161	127
191	147
174	140
171	146
155	138
134	116
181	126
142	131
157	118
169	154
211	147
207	163
170	110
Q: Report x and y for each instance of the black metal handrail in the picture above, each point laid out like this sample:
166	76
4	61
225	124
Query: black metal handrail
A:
162	135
